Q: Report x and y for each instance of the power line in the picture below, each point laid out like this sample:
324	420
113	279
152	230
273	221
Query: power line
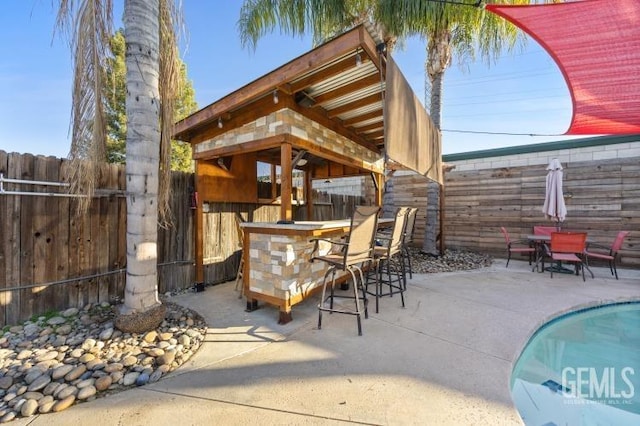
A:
479	132
502	101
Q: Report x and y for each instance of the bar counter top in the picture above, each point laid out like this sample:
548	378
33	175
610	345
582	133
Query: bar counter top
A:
308	228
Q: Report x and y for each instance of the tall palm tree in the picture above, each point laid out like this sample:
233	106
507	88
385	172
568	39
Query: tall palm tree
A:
459	29
151	63
451	28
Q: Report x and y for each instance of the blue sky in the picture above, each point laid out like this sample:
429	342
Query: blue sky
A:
523	93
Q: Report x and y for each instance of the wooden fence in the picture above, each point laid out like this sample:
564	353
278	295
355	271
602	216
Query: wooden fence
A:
602	198
51	260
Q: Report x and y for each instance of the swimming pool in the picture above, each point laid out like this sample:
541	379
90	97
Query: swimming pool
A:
582	368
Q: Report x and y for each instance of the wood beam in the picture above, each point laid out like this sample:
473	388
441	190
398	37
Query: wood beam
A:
329	155
362	83
328	72
274	184
315	58
375	135
286	211
364	117
374	126
308	195
371	99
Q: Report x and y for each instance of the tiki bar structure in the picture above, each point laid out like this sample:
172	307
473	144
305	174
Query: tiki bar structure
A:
341	109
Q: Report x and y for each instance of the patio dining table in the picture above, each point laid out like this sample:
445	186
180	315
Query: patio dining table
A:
539	241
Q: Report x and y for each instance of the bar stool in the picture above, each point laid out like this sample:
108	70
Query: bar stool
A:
410	226
354	252
388	257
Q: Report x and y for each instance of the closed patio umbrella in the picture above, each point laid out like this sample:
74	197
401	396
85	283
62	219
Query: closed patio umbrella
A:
554	207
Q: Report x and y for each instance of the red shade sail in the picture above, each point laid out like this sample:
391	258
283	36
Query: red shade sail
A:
596	44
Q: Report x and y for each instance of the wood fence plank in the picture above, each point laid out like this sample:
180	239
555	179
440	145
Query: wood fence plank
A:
94	250
14	205
27	214
112	217
5	244
62	244
72	290
103	239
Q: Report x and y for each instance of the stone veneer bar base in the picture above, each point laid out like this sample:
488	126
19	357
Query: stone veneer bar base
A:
278	262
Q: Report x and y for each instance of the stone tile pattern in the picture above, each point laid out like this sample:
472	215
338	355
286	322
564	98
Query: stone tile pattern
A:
288	122
281	266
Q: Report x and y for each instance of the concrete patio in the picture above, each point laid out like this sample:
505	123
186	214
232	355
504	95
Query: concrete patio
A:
444	359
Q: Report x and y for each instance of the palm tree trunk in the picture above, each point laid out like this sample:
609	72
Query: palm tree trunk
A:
438	59
141	25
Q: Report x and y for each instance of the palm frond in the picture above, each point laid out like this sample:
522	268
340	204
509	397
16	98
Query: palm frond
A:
89	39
169	81
320	18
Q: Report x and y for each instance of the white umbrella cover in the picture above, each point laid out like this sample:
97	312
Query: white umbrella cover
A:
554	207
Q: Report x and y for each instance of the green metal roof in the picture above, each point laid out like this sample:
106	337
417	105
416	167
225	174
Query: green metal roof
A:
541	147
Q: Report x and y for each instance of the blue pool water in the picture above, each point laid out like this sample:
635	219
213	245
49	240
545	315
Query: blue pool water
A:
582	368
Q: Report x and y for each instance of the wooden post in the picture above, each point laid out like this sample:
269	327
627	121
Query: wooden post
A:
286	212
308	195
274	184
442	247
197	229
379	189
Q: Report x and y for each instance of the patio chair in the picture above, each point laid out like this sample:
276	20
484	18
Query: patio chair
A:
389	261
408	238
354	251
568	247
596	251
544	230
517	246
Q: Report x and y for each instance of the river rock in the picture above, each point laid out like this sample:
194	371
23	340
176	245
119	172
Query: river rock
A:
115	366
129	361
8	417
130	378
151	336
64	329
29	408
32	375
6	382
86	392
142	379
87	357
167	358
24	354
56	321
75	373
103	383
88	344
66	392
64	404
61	371
71	312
